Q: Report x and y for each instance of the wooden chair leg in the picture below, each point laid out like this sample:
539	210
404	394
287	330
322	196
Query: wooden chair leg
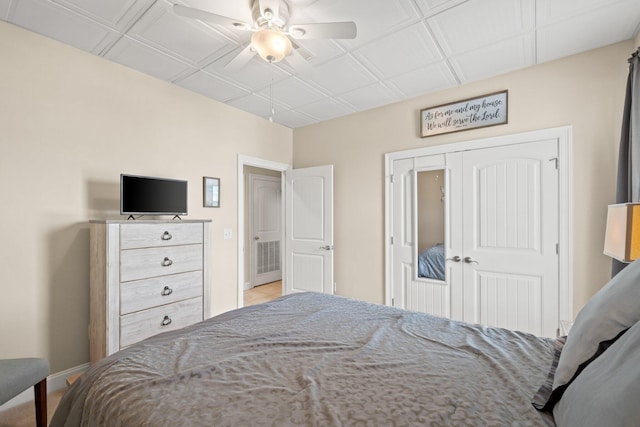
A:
40	391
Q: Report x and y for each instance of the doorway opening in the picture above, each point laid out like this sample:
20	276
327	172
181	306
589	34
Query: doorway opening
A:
259	262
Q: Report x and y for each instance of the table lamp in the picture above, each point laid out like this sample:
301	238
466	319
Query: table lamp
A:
622	236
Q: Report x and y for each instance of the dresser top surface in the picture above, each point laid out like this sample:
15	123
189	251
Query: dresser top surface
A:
148	221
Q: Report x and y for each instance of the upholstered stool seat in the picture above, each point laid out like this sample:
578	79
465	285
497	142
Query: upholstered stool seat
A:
17	375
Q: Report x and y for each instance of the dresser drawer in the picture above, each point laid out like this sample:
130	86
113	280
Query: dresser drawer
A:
147	293
152	262
143	324
165	234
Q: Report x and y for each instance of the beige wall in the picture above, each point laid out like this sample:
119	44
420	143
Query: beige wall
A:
585	91
70	123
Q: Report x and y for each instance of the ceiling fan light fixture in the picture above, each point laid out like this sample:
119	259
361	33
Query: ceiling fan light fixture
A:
271	45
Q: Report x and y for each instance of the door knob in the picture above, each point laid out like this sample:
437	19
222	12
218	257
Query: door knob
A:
327	248
454	259
256	238
468	260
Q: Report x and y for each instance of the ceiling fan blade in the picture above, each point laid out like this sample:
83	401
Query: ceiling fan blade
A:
297	62
327	30
272	5
241	59
202	15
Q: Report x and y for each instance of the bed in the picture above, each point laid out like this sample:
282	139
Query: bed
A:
318	360
431	262
314	359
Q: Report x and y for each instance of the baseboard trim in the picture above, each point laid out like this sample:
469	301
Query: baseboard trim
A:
55	382
247	286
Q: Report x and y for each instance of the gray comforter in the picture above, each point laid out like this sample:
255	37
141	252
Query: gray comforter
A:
317	360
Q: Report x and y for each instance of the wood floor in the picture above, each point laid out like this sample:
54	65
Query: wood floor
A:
262	293
24	415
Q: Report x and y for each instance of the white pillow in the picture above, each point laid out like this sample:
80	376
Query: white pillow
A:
607	392
609	313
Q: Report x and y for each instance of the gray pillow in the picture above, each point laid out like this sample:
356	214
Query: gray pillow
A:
607	392
610	312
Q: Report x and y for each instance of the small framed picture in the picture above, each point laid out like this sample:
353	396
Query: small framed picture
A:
211	192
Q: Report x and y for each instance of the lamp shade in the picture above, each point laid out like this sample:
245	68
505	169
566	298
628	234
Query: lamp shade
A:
271	45
622	236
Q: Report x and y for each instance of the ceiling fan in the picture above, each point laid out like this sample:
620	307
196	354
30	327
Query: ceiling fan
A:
272	32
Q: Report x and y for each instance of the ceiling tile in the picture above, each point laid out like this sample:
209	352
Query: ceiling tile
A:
606	25
495	59
340	75
428	79
146	59
294	119
256	104
326	109
211	86
431	7
185	38
117	14
479	23
61	24
370	96
292	92
552	11
397	53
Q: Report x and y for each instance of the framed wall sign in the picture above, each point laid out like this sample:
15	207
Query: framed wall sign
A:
211	192
472	113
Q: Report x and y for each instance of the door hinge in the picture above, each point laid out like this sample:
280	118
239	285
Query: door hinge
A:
392	241
391	178
335	287
555	160
557	248
393	302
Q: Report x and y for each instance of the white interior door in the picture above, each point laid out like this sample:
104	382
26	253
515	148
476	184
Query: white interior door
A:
416	293
309	230
510	237
265	207
403	233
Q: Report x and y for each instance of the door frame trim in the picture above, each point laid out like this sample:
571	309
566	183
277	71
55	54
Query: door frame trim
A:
564	135
264	164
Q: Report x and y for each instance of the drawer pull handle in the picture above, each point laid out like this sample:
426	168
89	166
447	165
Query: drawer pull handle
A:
166	291
166	321
166	262
166	236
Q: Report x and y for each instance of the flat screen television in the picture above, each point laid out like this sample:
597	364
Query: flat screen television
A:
145	195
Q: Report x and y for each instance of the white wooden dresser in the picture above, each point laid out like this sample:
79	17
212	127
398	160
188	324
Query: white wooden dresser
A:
146	277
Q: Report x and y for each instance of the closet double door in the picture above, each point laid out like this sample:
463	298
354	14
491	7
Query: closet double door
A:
499	235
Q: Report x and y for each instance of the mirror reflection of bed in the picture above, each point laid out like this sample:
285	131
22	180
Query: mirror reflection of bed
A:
430	220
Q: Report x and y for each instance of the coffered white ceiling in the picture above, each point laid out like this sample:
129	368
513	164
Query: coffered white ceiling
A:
404	48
